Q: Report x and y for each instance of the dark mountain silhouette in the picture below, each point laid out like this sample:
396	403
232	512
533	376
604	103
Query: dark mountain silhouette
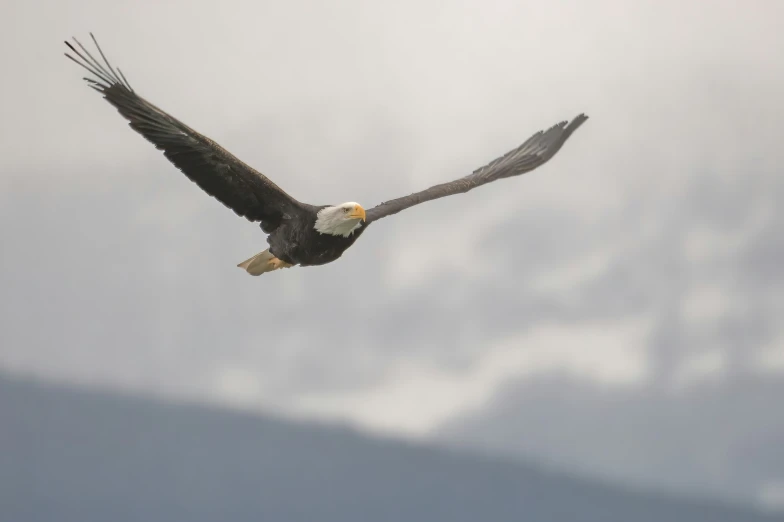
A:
69	455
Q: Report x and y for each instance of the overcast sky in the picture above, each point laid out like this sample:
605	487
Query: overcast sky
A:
642	264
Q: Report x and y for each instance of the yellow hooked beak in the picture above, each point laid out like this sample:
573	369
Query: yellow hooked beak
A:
357	213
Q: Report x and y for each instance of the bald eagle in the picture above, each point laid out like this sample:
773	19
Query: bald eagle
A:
298	233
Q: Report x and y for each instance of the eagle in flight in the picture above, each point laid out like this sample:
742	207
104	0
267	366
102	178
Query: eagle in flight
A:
298	233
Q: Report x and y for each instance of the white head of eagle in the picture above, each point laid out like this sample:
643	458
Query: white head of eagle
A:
340	220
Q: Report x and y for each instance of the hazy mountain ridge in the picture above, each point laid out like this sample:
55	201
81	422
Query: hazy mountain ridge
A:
725	437
76	455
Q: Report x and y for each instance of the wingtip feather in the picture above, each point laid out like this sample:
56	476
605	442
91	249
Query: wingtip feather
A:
104	71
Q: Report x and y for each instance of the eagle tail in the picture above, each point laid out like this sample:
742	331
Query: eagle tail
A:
263	262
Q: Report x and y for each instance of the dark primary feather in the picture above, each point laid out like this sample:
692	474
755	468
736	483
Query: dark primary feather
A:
534	152
246	191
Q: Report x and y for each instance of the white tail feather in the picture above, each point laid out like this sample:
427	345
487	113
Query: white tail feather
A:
261	263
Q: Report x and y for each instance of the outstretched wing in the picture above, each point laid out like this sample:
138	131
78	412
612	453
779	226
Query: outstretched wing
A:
536	151
246	191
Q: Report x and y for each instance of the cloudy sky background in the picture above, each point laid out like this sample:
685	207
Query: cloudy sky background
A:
617	312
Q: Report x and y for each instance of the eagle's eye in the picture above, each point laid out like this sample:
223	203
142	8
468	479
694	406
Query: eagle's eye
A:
345	210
